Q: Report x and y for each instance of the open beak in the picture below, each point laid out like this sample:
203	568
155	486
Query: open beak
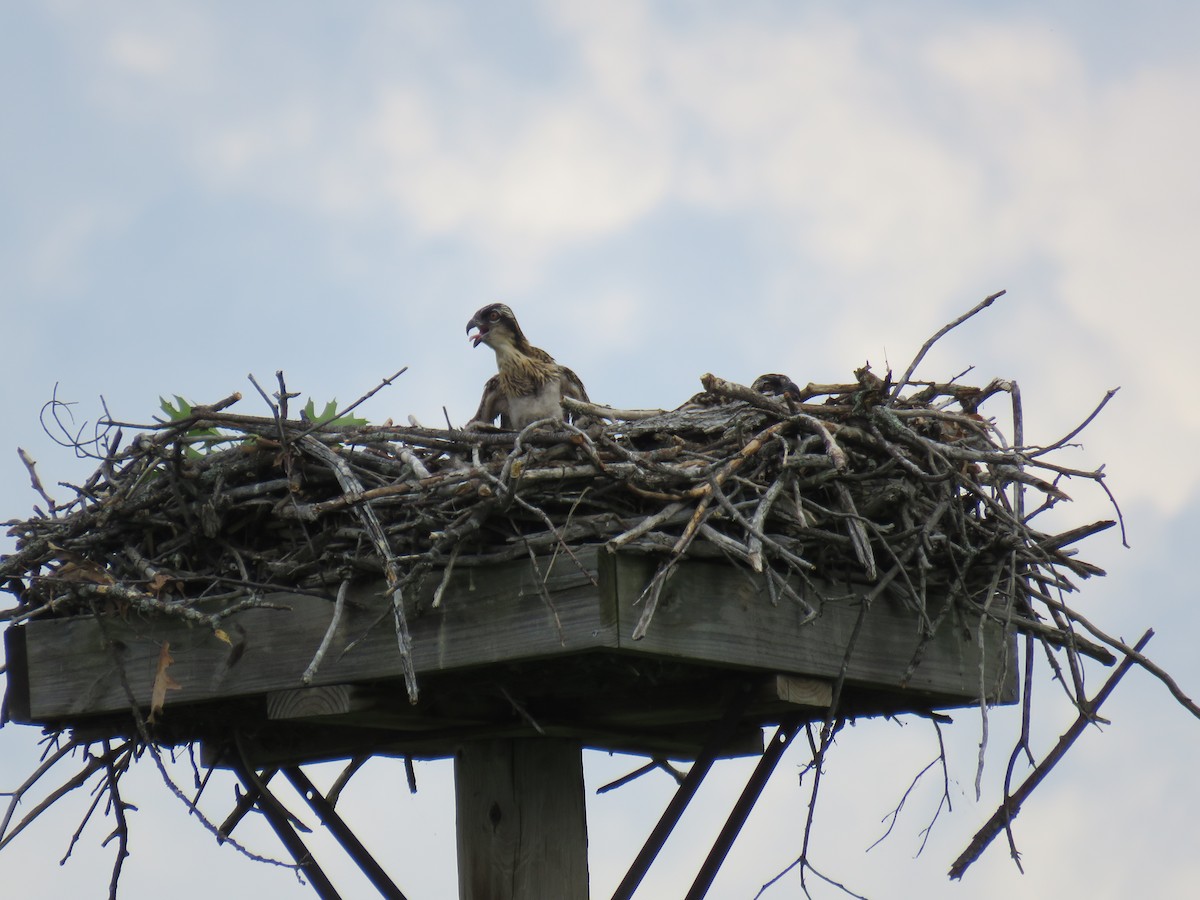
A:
477	337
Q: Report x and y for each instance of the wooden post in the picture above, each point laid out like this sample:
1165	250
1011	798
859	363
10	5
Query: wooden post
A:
522	826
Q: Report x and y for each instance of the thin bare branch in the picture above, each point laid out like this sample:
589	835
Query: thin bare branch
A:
905	379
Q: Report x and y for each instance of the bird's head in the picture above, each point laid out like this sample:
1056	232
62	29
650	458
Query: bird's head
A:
496	325
775	385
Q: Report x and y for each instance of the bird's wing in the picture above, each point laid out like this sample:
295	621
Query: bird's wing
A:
572	387
536	353
493	403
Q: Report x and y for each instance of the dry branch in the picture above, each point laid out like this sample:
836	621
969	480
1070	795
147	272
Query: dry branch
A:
1001	820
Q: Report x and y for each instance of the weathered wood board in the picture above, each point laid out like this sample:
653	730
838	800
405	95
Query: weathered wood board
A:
718	614
486	616
519	624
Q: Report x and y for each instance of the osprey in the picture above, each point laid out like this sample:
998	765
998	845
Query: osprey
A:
530	385
771	385
775	385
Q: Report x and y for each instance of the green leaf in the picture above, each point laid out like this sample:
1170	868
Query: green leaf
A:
329	416
180	410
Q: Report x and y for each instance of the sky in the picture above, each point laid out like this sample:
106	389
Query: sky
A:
197	192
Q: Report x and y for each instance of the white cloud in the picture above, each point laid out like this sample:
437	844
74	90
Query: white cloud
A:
561	171
140	53
60	246
1099	182
251	147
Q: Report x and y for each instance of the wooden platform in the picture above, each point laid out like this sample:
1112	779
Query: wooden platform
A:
515	650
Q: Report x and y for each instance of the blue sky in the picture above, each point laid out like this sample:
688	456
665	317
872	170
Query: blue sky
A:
194	192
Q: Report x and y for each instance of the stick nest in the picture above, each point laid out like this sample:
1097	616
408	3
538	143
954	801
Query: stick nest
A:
913	491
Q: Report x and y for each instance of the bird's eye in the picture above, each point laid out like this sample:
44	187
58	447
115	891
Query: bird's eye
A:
494	317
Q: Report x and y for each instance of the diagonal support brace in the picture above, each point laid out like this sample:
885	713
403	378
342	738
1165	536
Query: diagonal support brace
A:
345	836
276	817
683	795
780	741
